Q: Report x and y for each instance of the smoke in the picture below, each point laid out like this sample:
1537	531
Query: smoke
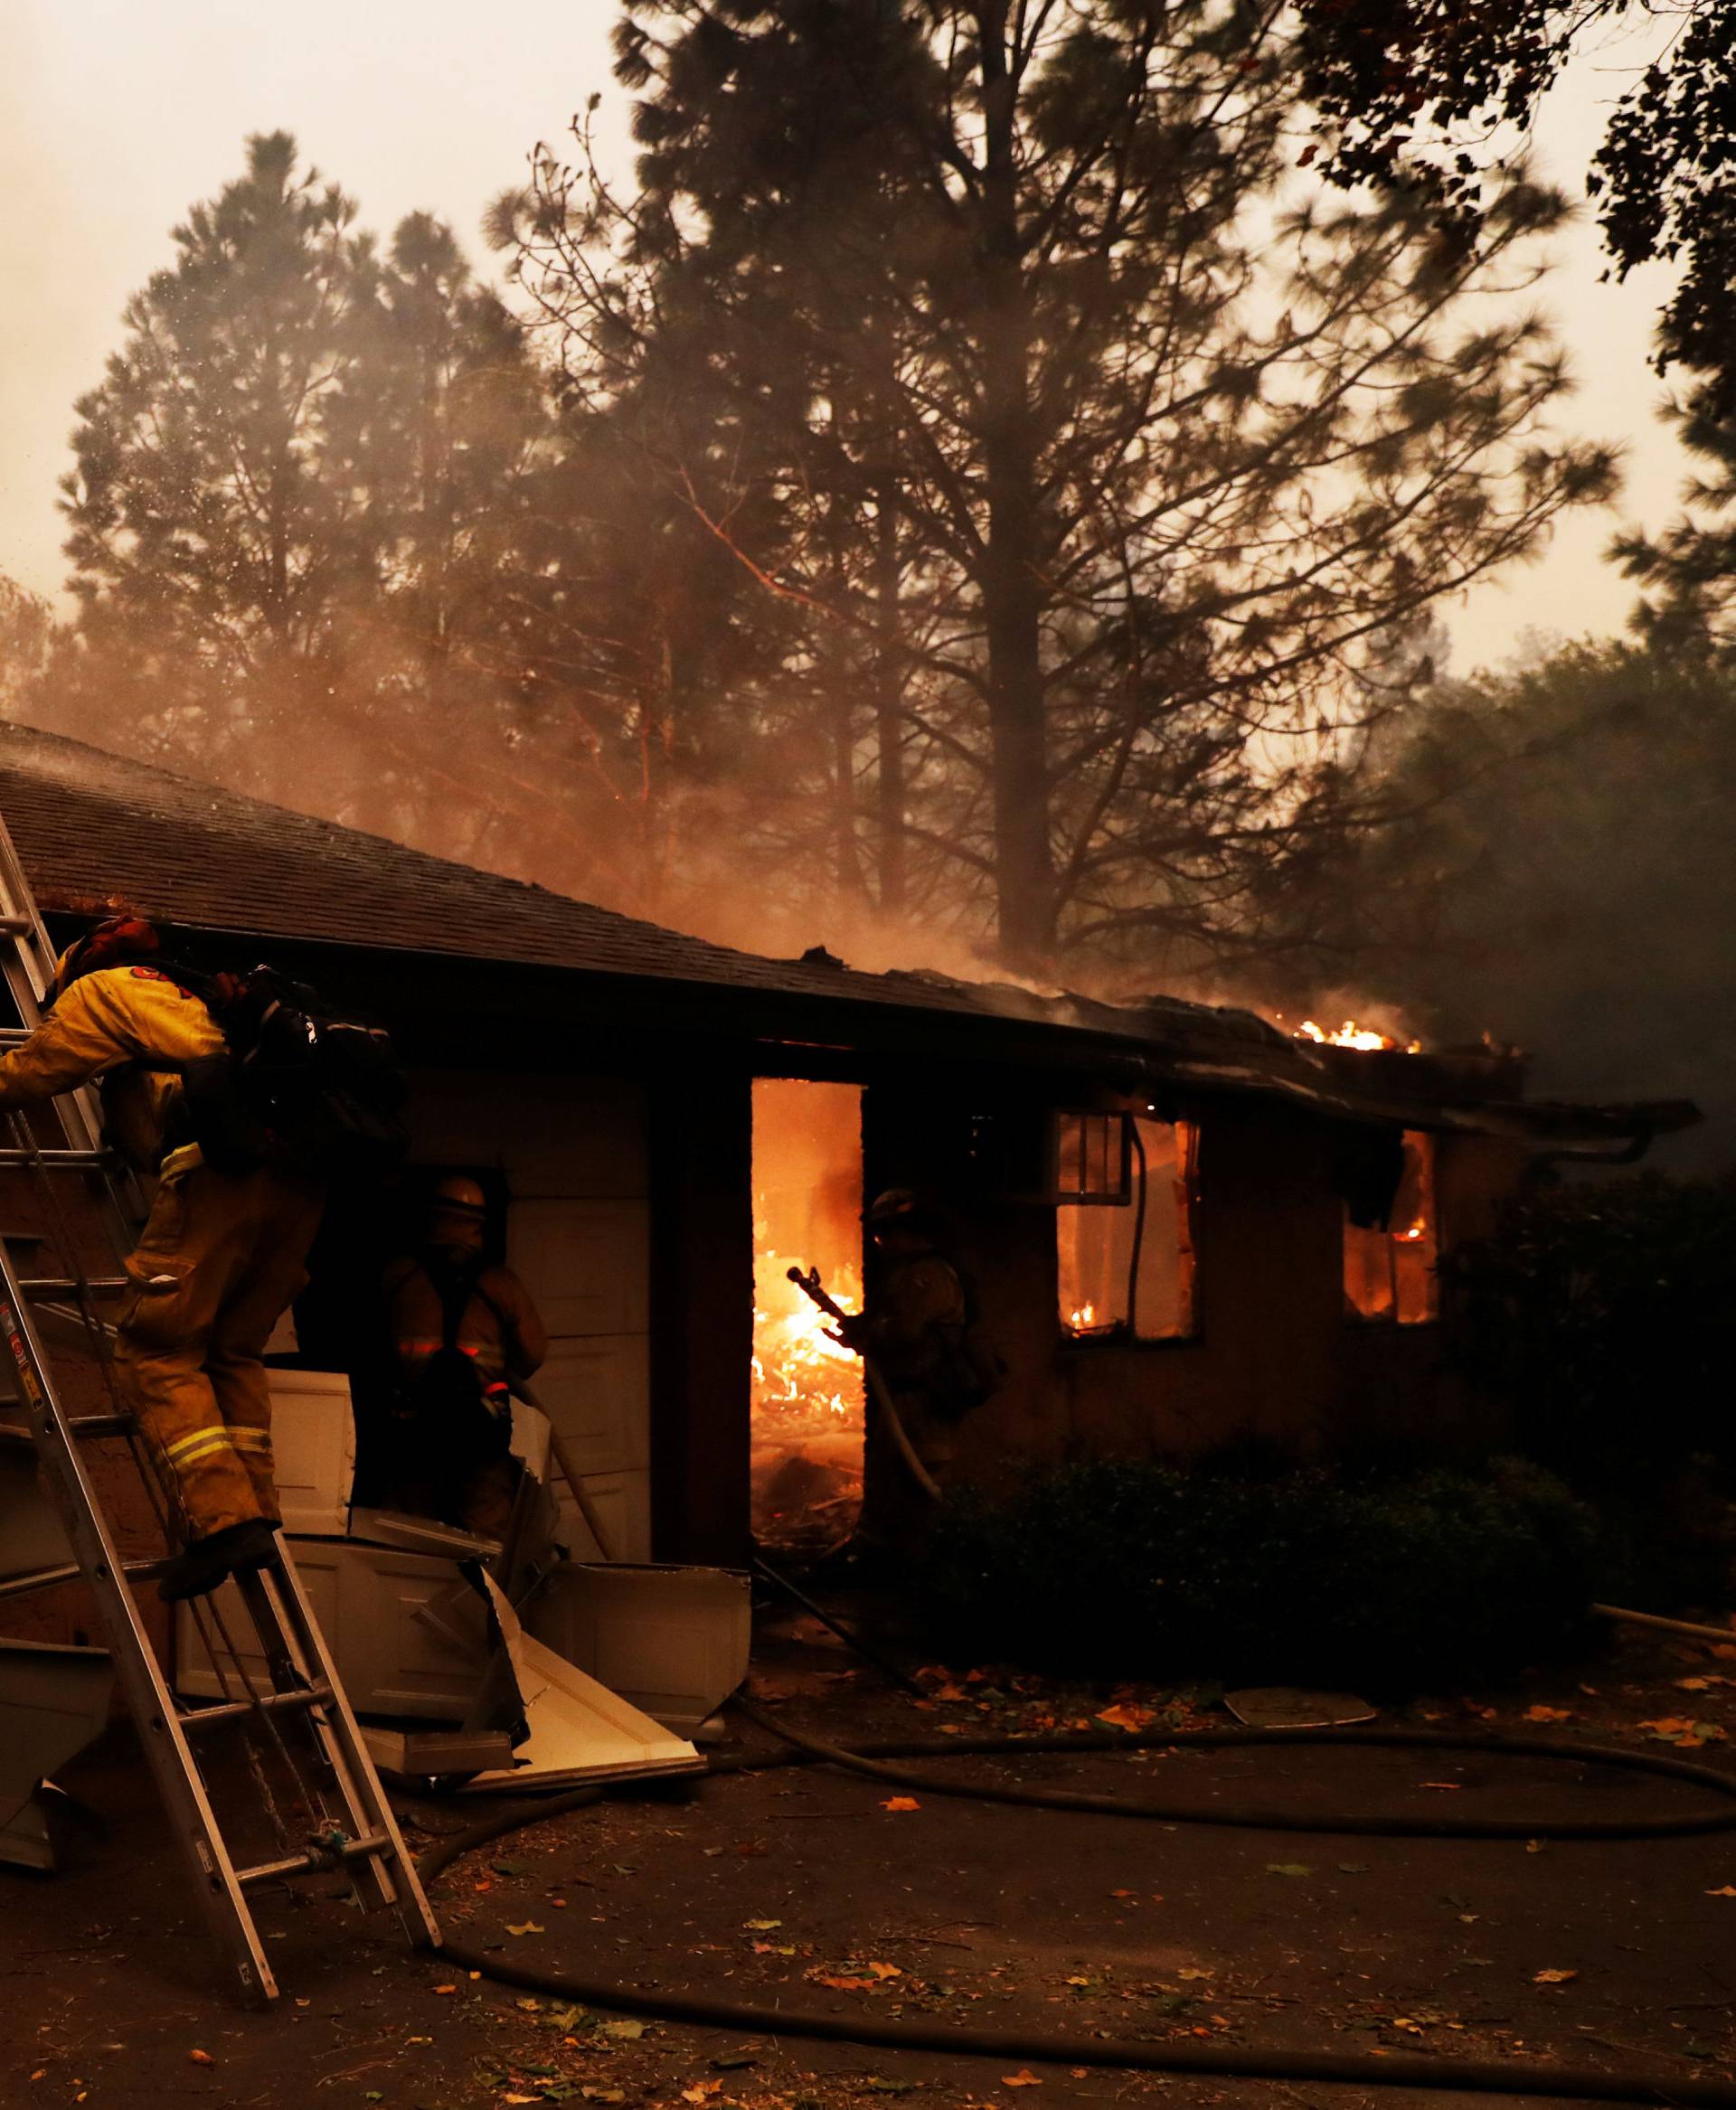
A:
1571	892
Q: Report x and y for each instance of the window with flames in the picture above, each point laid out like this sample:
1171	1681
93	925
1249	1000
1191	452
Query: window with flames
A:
1390	1274
1125	1194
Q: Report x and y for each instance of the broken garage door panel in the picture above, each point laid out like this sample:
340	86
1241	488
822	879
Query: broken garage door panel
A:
53	1700
578	1729
31	1536
673	1640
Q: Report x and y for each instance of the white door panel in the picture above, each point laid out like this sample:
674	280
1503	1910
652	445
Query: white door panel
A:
588	1264
622	1502
597	1393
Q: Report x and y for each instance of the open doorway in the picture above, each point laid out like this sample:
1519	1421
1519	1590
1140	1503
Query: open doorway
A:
808	1388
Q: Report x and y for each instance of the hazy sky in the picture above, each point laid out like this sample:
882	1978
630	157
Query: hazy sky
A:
115	115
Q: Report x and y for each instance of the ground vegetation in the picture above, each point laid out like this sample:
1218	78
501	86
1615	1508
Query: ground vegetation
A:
1377	1578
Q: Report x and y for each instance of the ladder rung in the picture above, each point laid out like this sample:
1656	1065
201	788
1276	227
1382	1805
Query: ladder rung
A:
17	927
47	1578
69	1286
319	1857
38	1578
77	1425
202	1718
58	1160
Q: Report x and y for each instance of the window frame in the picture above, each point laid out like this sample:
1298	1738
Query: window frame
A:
1391	1240
1118	1333
1085	1197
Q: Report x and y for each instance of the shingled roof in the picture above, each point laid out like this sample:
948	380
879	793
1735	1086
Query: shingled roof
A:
93	827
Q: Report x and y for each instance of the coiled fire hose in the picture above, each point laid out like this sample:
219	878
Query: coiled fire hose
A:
1510	2077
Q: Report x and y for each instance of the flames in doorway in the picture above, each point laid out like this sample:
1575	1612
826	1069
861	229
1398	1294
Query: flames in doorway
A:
807	1387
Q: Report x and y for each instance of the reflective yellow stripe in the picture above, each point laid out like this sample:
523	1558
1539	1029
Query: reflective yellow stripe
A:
214	1432
250	1439
188	1155
205	1450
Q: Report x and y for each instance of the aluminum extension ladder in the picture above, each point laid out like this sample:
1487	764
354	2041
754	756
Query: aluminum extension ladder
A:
303	1719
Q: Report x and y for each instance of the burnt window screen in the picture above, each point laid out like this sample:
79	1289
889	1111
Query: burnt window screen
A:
1390	1274
1128	1273
1093	1159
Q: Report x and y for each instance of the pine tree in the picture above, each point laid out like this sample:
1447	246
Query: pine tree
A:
204	509
1162	443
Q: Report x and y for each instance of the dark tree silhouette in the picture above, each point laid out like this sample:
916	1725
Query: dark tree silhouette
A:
1412	91
1155	444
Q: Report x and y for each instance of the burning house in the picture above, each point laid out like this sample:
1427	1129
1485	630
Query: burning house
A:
1180	1223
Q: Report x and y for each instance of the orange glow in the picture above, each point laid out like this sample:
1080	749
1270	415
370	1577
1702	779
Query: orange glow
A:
1351	1035
806	1387
1390	1274
1095	1248
800	1372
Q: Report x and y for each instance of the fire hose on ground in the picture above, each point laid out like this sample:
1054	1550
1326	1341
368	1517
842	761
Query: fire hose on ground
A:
882	1762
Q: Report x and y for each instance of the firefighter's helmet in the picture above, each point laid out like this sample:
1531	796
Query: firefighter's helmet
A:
115	940
898	1209
458	1196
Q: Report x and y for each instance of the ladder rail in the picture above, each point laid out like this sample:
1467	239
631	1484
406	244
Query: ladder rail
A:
364	1800
361	1835
140	1676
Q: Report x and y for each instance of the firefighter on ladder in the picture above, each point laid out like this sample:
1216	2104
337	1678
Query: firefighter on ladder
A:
220	1260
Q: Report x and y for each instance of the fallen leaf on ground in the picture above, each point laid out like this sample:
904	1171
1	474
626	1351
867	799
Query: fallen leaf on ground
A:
604	2095
1729	1890
1693	1684
951	1692
1024	2078
1192	1974
1454	1786
901	1802
885	1969
1552	1977
700	2090
836	1984
201	2059
528	1927
1675	1728
446	1989
1128	1717
1288	1867
1543	1713
762	1925
624	2032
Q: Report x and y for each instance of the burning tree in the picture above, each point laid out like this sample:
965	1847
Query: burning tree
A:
1099	452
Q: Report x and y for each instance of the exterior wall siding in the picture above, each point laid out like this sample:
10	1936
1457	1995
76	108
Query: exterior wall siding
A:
573	1152
1274	1355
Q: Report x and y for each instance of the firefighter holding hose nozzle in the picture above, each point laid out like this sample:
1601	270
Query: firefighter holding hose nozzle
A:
927	1362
